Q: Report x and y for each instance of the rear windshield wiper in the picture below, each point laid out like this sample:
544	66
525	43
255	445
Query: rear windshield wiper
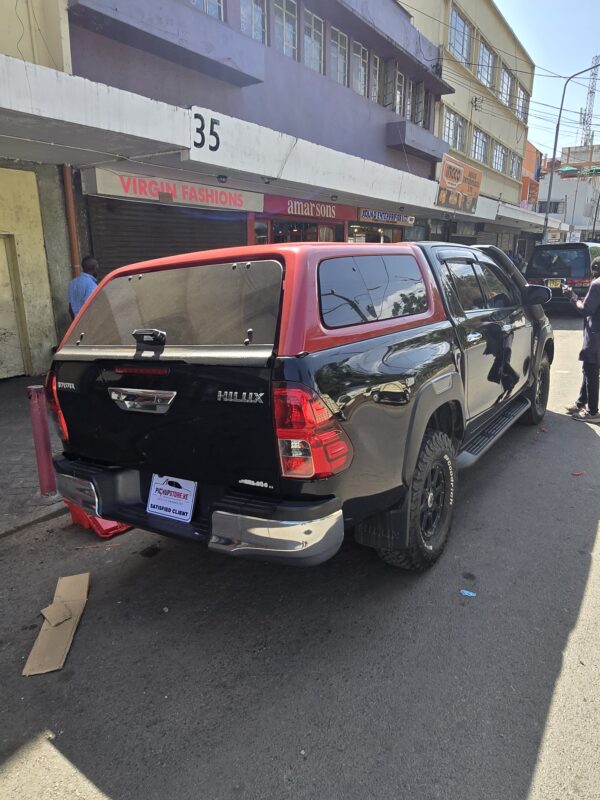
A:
150	336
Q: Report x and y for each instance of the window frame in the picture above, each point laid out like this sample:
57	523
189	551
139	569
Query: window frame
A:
466	37
485	138
282	7
490	66
505	88
498	147
459	123
363	67
265	22
313	17
338	41
522	104
375	83
516	158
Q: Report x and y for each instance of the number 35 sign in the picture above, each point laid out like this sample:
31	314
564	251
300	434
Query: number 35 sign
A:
205	132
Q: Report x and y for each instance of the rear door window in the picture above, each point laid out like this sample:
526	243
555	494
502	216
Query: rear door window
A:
467	285
361	289
206	304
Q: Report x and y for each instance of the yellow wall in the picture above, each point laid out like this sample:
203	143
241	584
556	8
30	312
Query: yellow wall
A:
494	118
36	31
20	218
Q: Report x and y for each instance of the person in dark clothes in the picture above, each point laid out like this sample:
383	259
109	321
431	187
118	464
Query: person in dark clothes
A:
586	407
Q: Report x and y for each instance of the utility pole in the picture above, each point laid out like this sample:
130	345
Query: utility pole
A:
562	102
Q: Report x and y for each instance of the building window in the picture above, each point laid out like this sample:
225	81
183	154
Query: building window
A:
313	41
254	19
485	66
499	157
399	93
522	108
516	166
554	207
409	98
285	17
461	33
339	56
376	74
505	93
214	8
359	69
480	146
455	128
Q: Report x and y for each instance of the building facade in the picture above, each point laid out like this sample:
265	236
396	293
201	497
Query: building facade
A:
575	196
161	126
485	120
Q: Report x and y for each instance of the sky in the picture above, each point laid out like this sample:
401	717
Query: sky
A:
561	37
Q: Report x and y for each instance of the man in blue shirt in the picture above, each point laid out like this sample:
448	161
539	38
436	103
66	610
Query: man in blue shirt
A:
81	287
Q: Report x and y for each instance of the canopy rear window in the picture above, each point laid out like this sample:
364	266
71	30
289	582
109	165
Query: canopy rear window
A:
207	304
559	262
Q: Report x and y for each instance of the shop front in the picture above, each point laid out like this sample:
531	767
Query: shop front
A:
138	217
373	226
289	219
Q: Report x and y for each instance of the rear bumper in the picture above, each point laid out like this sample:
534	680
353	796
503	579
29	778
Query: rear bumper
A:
301	533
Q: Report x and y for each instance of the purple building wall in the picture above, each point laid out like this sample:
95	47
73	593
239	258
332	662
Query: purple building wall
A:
175	53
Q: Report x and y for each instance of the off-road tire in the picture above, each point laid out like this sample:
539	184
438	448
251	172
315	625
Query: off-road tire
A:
538	394
436	458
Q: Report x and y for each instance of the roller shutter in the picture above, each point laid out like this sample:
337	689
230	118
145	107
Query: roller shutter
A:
126	232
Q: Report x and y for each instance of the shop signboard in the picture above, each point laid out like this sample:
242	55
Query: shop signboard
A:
459	185
385	217
277	205
168	190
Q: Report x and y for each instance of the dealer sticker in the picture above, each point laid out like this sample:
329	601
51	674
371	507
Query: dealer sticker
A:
171	497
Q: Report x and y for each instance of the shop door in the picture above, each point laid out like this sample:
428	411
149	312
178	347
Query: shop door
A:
11	350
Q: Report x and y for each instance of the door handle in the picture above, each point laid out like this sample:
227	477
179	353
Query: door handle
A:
474	337
148	401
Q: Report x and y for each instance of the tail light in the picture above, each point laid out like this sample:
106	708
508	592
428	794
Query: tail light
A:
579	281
311	442
53	403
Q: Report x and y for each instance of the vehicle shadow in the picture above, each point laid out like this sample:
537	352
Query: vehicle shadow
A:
198	676
564	318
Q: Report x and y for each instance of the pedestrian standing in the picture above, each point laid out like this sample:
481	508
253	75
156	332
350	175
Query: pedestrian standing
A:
81	287
586	407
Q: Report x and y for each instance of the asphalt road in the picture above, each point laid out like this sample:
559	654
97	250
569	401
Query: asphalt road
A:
196	676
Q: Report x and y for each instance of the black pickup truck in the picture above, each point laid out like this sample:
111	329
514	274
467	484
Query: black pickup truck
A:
265	400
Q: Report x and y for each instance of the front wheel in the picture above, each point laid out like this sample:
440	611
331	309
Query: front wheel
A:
433	490
539	393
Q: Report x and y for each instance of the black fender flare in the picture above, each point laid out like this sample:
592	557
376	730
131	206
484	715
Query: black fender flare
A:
432	395
544	336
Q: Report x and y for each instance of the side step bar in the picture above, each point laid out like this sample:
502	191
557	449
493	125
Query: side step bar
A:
481	443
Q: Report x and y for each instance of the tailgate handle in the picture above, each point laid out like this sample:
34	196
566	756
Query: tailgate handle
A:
148	401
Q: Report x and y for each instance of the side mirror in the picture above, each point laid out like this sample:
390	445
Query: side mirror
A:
534	295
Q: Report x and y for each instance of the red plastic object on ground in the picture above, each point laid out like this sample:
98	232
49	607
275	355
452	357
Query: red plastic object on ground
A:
104	528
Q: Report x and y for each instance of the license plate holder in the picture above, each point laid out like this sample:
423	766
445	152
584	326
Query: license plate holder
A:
554	283
170	497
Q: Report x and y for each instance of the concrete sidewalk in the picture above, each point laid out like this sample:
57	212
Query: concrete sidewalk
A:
20	500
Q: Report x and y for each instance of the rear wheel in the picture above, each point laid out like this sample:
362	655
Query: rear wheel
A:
431	505
539	393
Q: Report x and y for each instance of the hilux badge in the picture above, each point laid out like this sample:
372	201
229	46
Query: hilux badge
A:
240	397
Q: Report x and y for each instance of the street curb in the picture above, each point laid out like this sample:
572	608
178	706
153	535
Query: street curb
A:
41	515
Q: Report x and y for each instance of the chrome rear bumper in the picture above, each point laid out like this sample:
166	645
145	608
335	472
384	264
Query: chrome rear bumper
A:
307	542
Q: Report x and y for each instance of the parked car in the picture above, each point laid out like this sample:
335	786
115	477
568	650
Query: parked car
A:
554	265
266	400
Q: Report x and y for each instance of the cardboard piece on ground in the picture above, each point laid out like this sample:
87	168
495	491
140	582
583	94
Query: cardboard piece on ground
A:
51	647
56	613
